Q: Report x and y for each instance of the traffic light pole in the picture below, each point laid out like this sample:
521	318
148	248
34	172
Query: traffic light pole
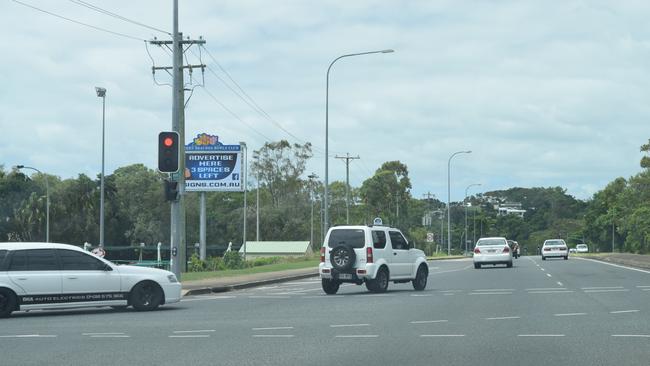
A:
178	240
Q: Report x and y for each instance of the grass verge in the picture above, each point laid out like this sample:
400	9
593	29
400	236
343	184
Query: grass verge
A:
193	276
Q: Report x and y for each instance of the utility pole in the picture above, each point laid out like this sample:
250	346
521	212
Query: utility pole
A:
178	246
347	159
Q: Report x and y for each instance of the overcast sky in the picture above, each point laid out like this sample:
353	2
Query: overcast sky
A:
545	93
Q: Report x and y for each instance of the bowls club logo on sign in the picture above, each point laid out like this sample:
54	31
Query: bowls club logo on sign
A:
211	166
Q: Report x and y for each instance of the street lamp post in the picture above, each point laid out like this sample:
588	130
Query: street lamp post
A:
245	168
327	83
466	189
101	93
47	200
449	198
311	177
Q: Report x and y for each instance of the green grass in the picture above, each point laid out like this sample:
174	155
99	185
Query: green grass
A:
192	276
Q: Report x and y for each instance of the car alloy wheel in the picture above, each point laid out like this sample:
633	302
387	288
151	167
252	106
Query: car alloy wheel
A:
146	295
420	281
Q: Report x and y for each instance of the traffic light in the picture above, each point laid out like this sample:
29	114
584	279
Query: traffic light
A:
168	146
171	190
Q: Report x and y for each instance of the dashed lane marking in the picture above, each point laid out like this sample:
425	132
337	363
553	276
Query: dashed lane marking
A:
272	328
601	288
441	335
545	288
549	275
190	336
194	331
358	336
29	336
551	292
491	293
623	311
617	290
632	335
540	335
348	325
570	314
273	336
503	318
428	321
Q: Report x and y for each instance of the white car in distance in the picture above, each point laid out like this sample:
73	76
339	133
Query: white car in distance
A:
555	248
492	251
582	248
60	276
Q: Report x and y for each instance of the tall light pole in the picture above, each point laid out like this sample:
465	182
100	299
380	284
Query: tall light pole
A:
449	198
466	189
101	92
245	168
47	200
311	177
327	85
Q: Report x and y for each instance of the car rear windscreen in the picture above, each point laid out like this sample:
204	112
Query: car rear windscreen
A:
354	238
554	242
484	242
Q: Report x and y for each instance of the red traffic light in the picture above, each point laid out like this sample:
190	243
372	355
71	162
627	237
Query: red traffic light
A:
168	152
168	141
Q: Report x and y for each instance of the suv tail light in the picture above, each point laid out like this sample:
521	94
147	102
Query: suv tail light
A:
369	258
506	249
322	254
477	250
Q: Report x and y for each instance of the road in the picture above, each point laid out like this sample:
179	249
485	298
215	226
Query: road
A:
552	312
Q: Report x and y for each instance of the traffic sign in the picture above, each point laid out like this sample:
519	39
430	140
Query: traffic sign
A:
429	237
100	252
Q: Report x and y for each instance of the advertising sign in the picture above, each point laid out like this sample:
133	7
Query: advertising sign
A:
211	166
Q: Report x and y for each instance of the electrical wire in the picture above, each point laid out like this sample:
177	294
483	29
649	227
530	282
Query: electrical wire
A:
117	16
78	22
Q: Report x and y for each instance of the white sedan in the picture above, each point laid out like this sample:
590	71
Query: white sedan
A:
555	248
582	248
57	276
492	251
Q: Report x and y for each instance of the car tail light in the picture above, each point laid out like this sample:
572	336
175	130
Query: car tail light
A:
322	254
563	248
369	258
477	250
506	249
547	249
361	271
326	270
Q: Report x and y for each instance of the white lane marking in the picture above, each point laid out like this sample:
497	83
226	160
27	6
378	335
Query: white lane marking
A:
551	292
92	334
348	325
540	335
543	269
110	336
560	283
204	298
358	336
272	328
452	291
273	336
416	295
194	331
570	314
642	286
545	288
269	297
549	275
491	293
601	288
632	335
441	335
504	318
190	336
624	311
614	265
495	290
618	290
428	321
449	294
28	336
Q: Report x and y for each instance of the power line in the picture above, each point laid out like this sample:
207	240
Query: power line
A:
78	22
117	16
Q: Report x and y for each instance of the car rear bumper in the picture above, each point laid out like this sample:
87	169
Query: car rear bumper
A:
492	258
554	253
369	271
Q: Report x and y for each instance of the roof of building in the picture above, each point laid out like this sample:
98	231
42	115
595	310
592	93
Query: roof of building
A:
298	247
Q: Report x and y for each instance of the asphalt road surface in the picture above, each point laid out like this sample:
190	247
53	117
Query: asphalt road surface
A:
553	312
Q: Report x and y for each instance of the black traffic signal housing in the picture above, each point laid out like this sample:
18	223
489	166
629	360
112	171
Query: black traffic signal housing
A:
168	152
171	190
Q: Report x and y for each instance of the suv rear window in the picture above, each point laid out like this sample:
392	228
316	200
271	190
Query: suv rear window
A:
355	238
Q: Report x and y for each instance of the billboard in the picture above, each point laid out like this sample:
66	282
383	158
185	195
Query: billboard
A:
211	166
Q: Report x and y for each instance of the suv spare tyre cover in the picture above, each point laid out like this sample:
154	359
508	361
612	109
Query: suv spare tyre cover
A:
342	257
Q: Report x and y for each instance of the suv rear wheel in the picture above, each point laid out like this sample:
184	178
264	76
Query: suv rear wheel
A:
420	281
380	283
342	257
330	286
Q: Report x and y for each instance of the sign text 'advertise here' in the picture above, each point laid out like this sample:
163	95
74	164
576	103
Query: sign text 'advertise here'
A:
211	166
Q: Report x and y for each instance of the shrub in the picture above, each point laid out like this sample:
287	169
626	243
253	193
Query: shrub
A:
196	264
233	260
215	264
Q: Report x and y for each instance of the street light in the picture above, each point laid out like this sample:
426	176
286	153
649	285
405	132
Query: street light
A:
449	198
245	166
466	189
101	93
327	84
311	177
47	201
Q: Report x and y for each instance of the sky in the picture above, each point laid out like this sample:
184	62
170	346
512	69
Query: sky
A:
544	93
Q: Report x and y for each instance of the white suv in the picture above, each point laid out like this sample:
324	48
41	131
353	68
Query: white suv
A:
58	276
371	254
